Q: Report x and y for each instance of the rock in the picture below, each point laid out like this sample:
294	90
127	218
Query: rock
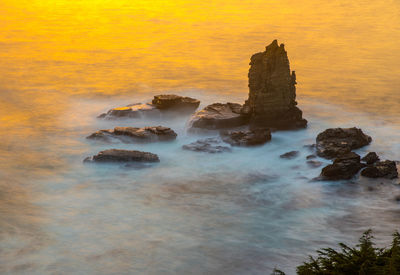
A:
343	168
159	105
132	134
218	116
370	158
311	157
272	91
208	145
314	163
290	155
116	155
335	142
246	138
136	110
175	102
381	169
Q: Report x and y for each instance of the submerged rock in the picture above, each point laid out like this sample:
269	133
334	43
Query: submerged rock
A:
343	167
335	142
159	105
246	138
136	110
208	145
314	163
381	169
218	116
175	102
116	155
272	91
290	155
370	158
132	134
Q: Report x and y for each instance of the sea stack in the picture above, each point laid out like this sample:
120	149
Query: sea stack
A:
272	91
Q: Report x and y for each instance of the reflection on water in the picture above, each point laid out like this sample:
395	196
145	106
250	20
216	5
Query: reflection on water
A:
64	62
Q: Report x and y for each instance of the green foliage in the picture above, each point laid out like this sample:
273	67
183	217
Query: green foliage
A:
363	259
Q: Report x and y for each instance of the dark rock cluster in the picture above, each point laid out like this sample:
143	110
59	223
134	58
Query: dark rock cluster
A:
116	155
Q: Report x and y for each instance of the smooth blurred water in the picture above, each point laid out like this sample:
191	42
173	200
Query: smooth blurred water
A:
64	62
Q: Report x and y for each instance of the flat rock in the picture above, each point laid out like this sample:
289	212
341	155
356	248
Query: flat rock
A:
343	167
335	142
290	155
381	169
175	102
208	145
370	158
246	138
134	134
218	116
159	105
116	155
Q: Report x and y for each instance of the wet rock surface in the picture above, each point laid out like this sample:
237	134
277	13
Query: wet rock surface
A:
159	105
381	169
290	155
218	116
175	102
272	91
134	134
335	142
370	158
208	145
314	163
247	137
343	168
116	155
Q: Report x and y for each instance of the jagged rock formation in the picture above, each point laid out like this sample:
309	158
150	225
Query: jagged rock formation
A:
334	142
343	168
208	145
246	138
134	134
272	90
370	158
116	155
218	116
381	169
159	105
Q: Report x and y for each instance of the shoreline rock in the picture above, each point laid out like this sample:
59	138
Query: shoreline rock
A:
246	138
343	168
134	134
381	169
117	155
335	142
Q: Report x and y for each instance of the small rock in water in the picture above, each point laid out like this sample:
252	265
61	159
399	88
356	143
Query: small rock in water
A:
136	110
246	138
314	163
116	155
132	134
343	167
290	155
208	145
381	169
218	116
311	157
334	142
370	158
175	102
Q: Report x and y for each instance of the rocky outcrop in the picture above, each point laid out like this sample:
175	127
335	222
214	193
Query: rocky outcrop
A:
335	142
370	158
343	167
175	102
381	169
133	134
160	104
246	138
116	155
208	145
272	90
218	116
290	155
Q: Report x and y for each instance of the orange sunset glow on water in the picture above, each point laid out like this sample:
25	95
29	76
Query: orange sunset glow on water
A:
63	63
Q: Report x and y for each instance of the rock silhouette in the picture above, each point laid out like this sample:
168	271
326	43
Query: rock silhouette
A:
116	155
381	169
272	91
343	168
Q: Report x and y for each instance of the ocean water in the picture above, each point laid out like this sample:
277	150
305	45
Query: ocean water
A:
62	63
